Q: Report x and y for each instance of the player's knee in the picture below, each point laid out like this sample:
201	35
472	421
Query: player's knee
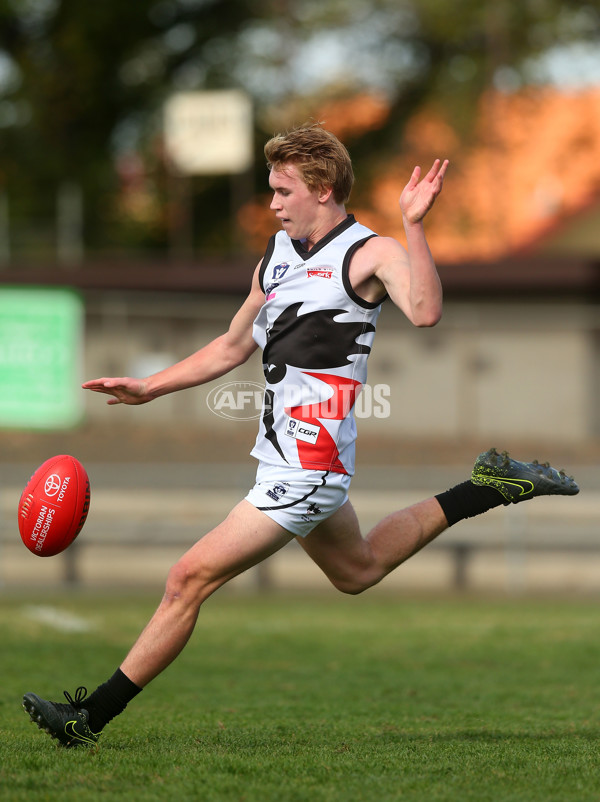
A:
353	577
184	579
353	585
350	589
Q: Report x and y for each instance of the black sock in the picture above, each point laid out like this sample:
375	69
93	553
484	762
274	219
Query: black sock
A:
109	699
467	500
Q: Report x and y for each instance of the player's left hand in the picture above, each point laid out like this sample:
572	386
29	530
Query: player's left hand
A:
419	196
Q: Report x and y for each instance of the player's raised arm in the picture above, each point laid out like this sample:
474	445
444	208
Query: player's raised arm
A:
410	276
418	196
213	360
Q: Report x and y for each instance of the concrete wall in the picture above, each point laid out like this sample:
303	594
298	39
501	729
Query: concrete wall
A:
488	369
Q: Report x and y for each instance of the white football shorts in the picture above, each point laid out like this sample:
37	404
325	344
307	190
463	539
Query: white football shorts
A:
298	499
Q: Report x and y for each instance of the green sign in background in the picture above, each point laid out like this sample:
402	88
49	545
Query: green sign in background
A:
41	335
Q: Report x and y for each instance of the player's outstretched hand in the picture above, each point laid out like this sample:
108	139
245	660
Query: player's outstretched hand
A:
419	196
123	390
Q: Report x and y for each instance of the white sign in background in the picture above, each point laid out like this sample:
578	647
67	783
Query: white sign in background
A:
209	132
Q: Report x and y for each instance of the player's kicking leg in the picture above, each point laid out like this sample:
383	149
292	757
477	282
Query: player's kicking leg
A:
354	563
244	539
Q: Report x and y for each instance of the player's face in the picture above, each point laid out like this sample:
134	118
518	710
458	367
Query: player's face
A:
295	206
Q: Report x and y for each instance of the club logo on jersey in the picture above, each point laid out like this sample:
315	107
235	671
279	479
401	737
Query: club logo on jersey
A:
332	341
300	430
319	272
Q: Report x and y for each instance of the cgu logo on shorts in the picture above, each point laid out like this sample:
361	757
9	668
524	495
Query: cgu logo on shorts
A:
300	430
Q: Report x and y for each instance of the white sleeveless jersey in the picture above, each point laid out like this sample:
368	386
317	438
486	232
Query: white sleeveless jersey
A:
316	334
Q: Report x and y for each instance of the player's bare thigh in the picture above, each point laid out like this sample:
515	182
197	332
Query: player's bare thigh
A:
244	539
339	549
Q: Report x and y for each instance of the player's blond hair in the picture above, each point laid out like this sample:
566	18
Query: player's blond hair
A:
321	158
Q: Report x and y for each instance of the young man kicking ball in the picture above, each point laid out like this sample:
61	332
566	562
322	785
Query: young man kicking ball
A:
312	308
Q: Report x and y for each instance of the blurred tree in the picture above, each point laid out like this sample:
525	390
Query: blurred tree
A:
82	84
443	53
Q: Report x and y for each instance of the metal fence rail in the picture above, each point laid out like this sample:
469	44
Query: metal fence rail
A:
132	536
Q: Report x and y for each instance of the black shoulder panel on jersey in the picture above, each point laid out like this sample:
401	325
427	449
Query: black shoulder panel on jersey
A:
346	277
265	261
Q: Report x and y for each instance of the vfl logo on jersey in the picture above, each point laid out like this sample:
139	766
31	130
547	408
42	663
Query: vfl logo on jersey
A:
300	430
279	271
318	272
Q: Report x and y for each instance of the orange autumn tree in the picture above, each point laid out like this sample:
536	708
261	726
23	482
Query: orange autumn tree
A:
534	158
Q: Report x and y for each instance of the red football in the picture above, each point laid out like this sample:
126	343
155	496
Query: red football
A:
54	505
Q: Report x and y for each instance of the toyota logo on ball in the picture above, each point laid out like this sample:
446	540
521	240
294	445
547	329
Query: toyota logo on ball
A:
52	485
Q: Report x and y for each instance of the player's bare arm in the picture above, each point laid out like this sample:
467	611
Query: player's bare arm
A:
410	276
215	359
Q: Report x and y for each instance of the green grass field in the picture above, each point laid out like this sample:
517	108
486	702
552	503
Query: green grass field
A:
317	698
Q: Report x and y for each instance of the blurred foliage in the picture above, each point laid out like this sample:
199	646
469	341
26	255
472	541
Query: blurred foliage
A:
82	86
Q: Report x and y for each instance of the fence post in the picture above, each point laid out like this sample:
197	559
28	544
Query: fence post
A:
4	230
71	565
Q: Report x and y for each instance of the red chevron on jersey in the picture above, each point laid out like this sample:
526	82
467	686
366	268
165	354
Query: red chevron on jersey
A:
324	451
